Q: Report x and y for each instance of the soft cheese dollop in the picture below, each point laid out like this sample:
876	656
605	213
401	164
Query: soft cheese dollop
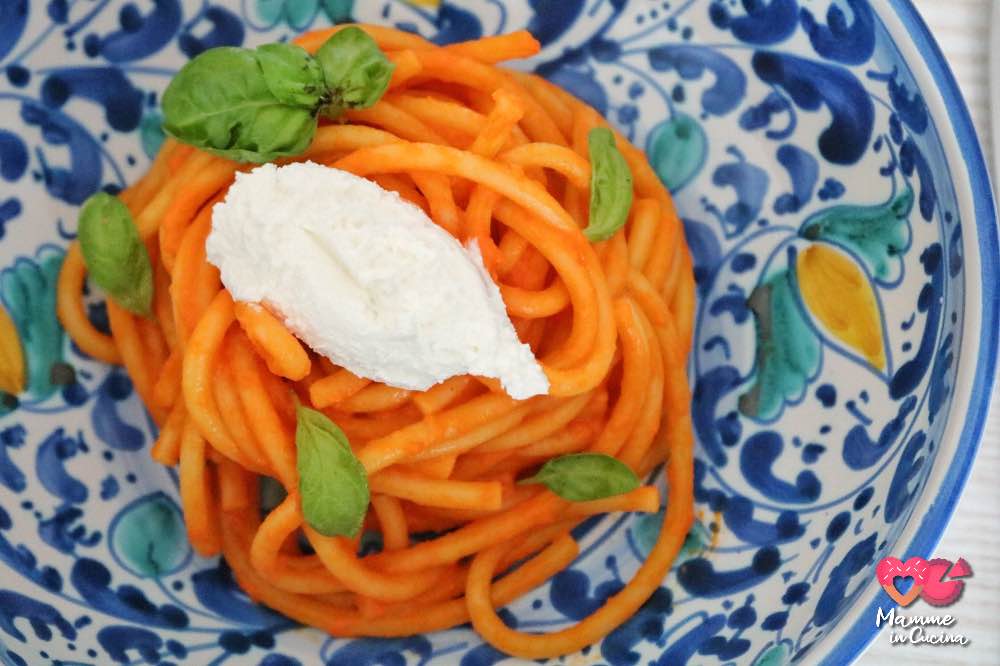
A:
366	279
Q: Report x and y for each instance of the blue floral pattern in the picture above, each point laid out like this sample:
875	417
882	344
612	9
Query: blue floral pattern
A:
780	126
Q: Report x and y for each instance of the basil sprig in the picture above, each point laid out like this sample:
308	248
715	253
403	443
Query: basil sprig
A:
114	253
255	105
333	485
610	186
582	477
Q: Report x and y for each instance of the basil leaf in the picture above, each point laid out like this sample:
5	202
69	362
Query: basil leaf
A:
291	74
114	253
581	477
333	485
220	101
610	186
255	106
356	71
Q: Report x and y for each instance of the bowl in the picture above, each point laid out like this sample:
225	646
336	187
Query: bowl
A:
842	223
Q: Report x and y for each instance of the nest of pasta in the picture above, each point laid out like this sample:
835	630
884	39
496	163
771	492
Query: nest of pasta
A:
492	155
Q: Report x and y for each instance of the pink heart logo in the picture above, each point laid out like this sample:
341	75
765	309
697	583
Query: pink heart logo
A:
891	568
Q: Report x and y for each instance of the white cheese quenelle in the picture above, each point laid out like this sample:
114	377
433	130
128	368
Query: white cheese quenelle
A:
366	279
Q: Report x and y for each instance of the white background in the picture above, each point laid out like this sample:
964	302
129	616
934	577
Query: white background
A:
962	28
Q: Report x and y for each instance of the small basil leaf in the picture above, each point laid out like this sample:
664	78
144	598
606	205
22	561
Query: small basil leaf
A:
581	477
114	253
291	74
610	186
356	71
333	485
220	102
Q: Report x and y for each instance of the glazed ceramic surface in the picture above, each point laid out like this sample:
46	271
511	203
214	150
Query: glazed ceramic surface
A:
842	226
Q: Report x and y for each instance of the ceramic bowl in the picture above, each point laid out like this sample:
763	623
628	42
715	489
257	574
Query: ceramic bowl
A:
843	230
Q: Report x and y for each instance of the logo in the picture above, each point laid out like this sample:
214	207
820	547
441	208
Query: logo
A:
938	582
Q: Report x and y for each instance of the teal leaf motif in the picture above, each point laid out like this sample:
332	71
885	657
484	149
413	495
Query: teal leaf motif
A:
151	134
338	11
699	538
677	150
879	235
148	537
28	290
298	14
646	529
788	349
776	655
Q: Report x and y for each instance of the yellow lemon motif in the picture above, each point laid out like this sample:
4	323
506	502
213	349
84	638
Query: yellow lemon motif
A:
840	296
11	356
425	3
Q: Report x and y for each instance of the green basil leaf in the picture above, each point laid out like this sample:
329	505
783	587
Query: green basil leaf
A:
220	101
356	71
333	485
291	74
610	186
114	253
256	106
581	477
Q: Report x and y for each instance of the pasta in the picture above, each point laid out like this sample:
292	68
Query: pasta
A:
491	155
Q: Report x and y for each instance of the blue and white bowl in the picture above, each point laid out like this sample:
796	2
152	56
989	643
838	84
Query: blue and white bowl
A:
821	156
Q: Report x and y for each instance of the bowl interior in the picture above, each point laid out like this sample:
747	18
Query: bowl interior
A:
831	220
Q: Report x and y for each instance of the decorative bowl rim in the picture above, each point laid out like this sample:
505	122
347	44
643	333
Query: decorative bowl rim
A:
976	375
856	631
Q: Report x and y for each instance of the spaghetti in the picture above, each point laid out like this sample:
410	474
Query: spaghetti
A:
491	155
